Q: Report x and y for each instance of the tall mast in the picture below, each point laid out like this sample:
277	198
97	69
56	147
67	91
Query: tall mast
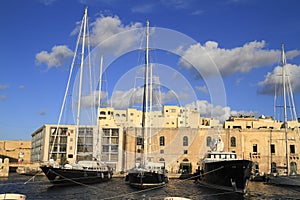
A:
100	82
145	97
283	62
98	109
80	76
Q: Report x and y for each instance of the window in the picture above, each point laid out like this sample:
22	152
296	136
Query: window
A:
105	148
233	142
273	167
162	151
208	141
185	151
185	141
292	148
139	140
162	141
272	148
254	148
293	168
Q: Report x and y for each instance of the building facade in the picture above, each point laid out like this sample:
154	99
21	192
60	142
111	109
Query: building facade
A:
179	137
15	150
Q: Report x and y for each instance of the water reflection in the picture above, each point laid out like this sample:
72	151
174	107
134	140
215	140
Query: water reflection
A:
40	188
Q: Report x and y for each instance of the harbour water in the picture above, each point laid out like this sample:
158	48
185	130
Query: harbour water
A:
40	188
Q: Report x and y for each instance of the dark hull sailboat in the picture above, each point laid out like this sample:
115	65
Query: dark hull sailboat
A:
289	176
141	178
73	176
147	173
84	171
229	175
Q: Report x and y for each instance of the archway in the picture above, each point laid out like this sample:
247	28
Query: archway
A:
185	166
293	168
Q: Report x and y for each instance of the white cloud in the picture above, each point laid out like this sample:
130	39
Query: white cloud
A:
3	96
216	112
236	60
4	87
197	12
105	27
177	4
47	2
144	8
101	29
274	79
125	99
56	58
202	89
42	112
134	97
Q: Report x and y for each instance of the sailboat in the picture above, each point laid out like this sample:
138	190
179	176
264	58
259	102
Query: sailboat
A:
223	170
289	177
84	171
147	173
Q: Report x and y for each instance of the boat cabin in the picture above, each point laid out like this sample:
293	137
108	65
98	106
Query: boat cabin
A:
213	156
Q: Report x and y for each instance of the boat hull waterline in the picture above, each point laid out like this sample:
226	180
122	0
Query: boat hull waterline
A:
146	179
228	175
63	176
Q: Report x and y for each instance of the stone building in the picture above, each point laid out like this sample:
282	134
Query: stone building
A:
15	150
263	140
179	137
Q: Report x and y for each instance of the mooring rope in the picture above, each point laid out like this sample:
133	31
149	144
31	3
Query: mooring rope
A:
96	189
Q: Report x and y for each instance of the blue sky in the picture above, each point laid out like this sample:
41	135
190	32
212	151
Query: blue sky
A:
242	37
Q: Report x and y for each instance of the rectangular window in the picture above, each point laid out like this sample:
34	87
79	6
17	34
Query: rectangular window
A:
114	148
162	151
254	148
292	148
139	140
272	148
105	148
162	141
185	151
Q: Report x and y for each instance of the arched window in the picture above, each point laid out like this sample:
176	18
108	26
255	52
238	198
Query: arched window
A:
162	140
208	141
185	141
233	142
161	160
